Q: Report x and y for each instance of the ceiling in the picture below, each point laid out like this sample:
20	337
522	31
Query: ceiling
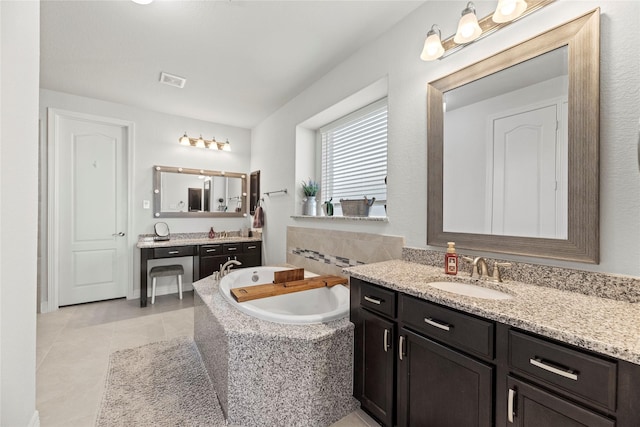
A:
242	59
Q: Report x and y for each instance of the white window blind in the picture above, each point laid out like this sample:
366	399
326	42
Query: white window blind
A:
354	155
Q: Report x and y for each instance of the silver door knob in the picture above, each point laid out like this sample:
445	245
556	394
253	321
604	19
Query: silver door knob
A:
121	234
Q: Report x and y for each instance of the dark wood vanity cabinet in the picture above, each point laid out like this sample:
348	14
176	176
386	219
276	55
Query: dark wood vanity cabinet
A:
213	256
423	364
404	378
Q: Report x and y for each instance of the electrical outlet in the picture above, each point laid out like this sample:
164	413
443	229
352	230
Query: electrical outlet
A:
146	204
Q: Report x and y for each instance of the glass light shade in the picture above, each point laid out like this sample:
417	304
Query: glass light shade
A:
200	142
184	140
432	47
468	28
508	10
226	146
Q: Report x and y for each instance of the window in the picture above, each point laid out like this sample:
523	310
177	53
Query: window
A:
354	155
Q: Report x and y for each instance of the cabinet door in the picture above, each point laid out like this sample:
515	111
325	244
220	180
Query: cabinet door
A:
251	255
529	406
440	387
210	264
378	356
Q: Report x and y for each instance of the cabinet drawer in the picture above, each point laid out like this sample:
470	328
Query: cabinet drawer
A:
377	299
459	330
250	247
210	250
175	251
231	248
573	371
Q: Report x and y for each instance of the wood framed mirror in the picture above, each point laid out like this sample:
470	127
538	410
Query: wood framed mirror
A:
197	193
575	196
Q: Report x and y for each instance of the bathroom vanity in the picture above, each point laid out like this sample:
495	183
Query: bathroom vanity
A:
546	356
208	254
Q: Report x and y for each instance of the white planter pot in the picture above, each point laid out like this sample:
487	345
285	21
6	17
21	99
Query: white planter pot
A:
309	207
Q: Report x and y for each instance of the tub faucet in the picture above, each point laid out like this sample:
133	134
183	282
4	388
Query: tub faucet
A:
226	267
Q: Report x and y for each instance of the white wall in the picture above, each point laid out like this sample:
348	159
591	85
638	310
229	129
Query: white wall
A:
156	143
396	54
19	75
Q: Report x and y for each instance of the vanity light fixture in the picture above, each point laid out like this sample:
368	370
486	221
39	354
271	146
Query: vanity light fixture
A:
200	142
468	28
142	1
471	29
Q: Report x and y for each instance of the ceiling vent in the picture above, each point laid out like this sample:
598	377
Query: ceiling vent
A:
172	80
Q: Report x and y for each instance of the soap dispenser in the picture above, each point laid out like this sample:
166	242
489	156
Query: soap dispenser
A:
451	259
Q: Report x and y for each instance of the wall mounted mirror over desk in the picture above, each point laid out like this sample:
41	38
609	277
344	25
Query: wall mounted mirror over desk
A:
513	144
198	193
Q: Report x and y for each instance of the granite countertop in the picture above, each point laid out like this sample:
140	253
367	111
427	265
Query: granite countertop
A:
185	239
236	322
606	326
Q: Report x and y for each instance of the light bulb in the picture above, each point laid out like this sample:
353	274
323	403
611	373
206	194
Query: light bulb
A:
468	28
200	142
508	10
432	46
184	140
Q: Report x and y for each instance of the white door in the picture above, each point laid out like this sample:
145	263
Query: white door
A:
525	182
91	217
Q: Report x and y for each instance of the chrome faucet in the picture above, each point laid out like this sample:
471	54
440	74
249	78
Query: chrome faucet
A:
227	266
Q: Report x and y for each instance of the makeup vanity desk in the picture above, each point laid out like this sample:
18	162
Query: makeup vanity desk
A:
208	254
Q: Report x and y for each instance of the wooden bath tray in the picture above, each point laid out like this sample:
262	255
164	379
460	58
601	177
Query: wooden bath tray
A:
272	289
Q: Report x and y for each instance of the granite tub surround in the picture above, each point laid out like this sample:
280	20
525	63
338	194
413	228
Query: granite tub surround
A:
185	239
270	373
329	251
603	325
618	287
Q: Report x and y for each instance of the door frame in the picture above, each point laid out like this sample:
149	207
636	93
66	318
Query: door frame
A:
53	208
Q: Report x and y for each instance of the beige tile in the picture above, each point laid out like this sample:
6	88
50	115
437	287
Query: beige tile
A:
366	418
351	420
86	421
70	406
138	335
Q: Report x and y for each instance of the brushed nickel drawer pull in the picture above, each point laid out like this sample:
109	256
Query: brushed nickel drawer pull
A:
400	347
386	340
211	250
512	395
443	326
566	373
232	249
251	247
373	300
173	252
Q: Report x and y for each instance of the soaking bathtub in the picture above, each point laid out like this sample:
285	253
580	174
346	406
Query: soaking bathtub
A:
305	307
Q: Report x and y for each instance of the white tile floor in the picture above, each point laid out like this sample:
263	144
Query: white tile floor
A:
74	344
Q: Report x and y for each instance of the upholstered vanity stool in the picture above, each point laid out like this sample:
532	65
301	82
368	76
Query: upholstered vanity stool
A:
163	271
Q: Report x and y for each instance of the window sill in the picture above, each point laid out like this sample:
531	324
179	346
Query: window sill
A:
343	218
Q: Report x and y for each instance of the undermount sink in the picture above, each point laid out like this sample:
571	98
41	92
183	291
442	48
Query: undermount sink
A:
470	290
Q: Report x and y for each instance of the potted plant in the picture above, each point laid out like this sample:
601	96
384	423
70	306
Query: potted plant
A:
310	189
